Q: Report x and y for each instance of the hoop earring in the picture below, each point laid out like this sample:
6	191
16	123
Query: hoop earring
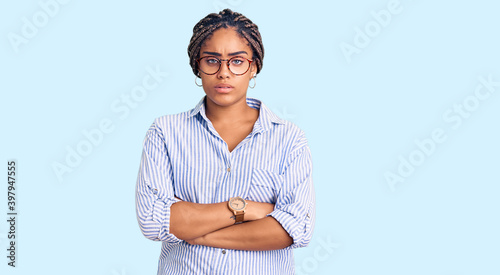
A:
254	83
196	82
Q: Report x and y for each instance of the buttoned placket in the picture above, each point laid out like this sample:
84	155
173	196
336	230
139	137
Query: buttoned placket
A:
220	255
225	159
227	156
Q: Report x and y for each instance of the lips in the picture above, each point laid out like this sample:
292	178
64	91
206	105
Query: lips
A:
223	88
222	85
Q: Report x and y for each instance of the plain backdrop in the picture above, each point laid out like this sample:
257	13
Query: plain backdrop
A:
399	101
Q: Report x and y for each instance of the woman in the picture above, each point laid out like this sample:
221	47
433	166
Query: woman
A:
226	186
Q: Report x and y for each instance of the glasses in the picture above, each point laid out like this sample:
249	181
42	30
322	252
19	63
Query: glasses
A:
210	65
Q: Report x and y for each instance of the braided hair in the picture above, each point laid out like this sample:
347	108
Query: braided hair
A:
224	19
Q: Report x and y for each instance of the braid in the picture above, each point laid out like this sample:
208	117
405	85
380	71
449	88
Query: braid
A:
224	19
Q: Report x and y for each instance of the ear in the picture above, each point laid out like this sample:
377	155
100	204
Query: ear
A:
253	70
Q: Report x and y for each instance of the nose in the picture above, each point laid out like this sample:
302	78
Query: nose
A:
224	71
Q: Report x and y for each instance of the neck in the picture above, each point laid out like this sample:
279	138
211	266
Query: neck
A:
227	114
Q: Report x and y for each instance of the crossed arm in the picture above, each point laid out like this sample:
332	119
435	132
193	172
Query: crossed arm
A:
163	217
213	225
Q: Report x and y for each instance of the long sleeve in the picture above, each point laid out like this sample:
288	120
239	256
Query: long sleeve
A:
295	204
185	157
154	188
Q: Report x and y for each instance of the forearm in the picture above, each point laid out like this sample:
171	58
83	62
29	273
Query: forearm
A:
192	220
262	234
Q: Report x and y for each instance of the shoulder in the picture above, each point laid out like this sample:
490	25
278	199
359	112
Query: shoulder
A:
296	141
288	130
176	119
288	138
181	119
168	126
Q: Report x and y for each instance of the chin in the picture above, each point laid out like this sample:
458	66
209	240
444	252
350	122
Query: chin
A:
224	99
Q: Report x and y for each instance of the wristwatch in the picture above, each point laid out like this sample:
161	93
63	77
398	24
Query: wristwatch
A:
237	205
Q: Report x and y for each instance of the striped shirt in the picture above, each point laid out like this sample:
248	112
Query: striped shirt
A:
184	156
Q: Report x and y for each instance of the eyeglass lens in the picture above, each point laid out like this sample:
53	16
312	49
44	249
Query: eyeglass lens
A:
211	65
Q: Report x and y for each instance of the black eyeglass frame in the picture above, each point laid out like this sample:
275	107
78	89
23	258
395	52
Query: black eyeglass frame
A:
227	63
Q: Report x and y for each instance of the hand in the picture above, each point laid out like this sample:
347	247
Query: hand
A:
257	210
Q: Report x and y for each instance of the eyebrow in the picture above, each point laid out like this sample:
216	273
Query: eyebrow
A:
230	54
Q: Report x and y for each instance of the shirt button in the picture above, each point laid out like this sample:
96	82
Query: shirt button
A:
223	251
229	169
155	191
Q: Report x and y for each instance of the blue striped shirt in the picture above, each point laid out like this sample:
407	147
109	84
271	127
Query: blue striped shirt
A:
184	156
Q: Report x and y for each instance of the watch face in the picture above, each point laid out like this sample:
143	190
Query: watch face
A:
237	203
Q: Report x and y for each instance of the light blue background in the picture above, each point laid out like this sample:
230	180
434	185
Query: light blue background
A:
359	116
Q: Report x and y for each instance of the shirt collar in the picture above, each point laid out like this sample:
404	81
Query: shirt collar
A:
263	123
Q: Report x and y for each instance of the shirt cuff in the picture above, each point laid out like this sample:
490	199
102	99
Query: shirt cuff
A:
161	215
291	226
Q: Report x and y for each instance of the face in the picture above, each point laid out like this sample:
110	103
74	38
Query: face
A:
225	88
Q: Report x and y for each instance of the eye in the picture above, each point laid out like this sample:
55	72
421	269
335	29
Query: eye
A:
237	61
211	61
